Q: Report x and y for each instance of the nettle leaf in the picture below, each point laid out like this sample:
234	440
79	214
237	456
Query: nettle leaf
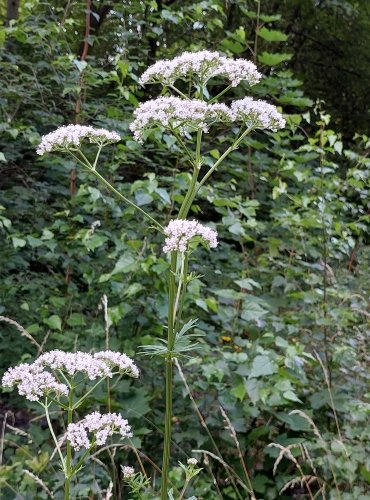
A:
273	59
262	365
272	35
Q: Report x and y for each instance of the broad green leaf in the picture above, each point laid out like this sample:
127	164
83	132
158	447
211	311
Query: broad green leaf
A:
54	322
272	35
18	242
262	365
239	391
273	59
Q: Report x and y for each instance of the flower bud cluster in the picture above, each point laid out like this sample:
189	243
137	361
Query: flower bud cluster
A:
204	65
71	136
127	472
34	381
100	426
179	232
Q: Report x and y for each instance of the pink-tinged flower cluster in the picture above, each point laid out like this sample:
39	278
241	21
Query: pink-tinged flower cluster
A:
127	472
100	426
177	114
179	232
258	114
100	364
202	65
70	136
33	382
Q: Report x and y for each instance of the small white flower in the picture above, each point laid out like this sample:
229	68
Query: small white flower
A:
128	472
258	114
179	232
192	461
203	65
181	115
33	382
100	426
70	136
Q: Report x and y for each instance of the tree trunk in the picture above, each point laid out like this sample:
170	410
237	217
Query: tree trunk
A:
12	9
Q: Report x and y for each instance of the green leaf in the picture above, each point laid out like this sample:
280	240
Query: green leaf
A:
262	365
291	396
18	242
80	65
124	265
239	391
273	59
272	35
2	157
54	322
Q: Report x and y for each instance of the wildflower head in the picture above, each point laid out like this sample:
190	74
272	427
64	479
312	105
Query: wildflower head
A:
95	429
192	462
178	115
70	137
202	66
179	232
257	114
127	472
33	382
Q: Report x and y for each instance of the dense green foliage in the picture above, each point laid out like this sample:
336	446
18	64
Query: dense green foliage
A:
288	284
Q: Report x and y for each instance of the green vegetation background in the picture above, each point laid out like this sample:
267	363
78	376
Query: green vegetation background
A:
289	280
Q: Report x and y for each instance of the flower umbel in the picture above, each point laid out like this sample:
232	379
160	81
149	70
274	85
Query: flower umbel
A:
181	115
33	382
258	114
100	426
202	65
127	472
70	136
180	232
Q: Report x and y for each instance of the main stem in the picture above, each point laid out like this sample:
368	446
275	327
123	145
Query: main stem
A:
169	375
68	469
186	204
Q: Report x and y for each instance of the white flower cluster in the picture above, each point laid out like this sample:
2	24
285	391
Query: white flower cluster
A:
184	115
203	65
93	366
177	114
34	381
127	472
71	136
101	426
179	232
258	114
192	461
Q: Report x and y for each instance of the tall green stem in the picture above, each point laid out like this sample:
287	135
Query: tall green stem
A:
91	168
68	466
46	407
169	374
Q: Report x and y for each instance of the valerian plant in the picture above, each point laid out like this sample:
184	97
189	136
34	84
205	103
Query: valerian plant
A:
188	117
